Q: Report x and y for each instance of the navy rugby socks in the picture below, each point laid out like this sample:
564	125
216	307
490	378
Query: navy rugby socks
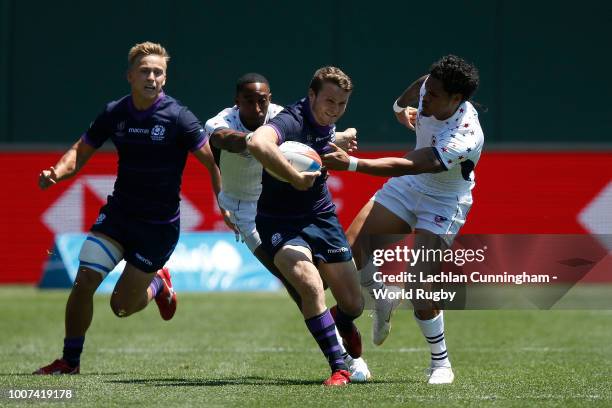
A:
73	347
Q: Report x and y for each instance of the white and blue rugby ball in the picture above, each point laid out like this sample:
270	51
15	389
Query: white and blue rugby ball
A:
300	156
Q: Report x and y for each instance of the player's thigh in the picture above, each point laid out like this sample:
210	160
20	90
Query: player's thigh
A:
98	256
291	257
342	279
295	263
375	226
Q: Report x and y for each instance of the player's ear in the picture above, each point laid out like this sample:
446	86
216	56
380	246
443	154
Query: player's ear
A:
457	98
311	94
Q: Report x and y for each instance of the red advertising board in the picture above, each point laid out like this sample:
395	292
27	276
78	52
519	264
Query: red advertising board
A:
516	192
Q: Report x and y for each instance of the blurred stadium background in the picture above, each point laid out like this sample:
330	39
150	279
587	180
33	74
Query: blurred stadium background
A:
545	83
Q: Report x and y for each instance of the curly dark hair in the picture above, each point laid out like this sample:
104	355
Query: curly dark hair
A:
457	75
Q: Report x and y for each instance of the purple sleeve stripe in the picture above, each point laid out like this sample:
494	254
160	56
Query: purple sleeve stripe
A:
281	138
85	138
201	143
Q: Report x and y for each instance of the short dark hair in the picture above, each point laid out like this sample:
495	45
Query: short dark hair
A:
250	78
332	75
457	75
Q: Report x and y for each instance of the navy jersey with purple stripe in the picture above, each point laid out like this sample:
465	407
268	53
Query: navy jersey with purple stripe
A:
280	199
152	146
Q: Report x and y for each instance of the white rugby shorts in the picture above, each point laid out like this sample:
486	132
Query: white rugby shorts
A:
242	215
443	216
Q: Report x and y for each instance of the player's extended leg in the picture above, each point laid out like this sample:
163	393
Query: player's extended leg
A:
342	280
375	221
428	316
131	292
357	366
99	255
295	263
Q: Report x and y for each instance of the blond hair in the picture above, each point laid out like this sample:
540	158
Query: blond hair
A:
333	75
146	48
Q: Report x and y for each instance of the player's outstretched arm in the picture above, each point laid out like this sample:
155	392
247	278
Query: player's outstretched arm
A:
416	162
404	110
229	139
70	164
262	145
347	140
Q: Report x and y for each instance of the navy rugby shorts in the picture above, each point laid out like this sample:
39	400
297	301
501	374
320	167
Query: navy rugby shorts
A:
321	233
146	245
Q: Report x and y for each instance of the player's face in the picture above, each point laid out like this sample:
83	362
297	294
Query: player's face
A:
329	104
253	102
437	101
147	77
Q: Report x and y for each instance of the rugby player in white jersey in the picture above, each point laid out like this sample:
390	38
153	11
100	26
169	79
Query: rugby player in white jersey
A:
429	191
241	174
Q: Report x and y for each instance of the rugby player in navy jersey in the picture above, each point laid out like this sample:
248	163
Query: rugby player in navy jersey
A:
242	175
297	223
153	134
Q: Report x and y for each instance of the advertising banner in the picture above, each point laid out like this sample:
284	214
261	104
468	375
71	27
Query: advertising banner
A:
516	193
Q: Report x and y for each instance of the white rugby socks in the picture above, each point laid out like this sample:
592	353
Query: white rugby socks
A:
433	330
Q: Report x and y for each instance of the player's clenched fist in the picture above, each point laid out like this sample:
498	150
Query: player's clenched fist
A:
407	117
47	178
305	180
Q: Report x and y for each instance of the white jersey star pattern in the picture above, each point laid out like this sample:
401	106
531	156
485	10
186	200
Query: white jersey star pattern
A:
458	141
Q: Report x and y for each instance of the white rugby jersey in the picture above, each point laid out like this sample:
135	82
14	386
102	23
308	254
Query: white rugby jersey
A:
240	172
458	142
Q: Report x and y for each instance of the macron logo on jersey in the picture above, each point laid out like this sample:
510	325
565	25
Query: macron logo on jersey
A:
138	130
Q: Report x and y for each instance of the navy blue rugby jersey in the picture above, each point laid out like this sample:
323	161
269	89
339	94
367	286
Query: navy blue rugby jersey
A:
296	123
152	146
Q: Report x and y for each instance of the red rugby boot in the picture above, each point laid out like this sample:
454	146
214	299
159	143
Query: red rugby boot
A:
338	378
166	298
59	366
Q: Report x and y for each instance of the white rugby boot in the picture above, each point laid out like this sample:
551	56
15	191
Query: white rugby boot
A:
358	368
381	315
440	375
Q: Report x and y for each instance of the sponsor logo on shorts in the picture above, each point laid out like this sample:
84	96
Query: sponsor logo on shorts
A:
276	239
157	133
337	250
438	219
100	219
143	259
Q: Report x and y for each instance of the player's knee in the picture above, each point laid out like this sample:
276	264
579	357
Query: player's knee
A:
87	280
118	306
352	306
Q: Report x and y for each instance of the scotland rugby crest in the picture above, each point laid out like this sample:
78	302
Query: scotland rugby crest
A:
157	133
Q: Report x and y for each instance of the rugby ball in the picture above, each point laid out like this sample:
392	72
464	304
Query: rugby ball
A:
300	156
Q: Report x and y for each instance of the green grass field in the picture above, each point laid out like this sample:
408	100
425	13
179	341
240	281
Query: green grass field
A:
254	350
